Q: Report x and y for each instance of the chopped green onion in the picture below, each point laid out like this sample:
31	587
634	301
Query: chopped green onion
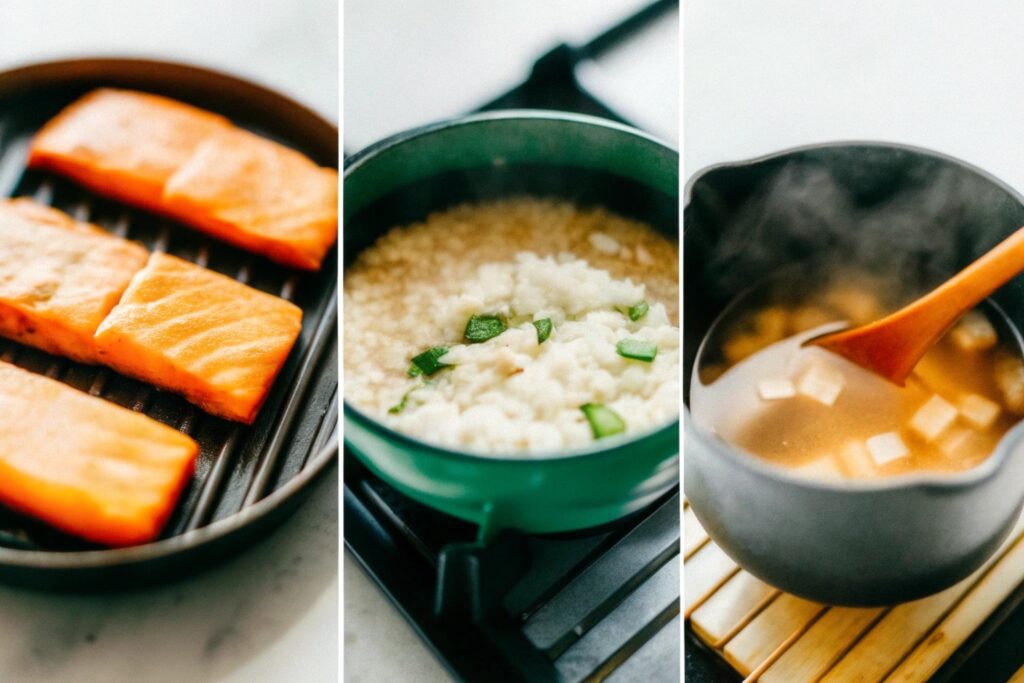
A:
480	328
400	406
426	363
603	420
637	349
637	311
543	329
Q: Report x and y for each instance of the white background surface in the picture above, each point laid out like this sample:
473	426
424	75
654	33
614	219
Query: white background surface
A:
270	614
943	74
410	63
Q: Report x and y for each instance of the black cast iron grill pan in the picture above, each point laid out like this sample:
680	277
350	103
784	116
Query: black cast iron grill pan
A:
247	478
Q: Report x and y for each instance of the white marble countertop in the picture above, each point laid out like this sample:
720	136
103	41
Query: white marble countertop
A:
268	615
409	63
271	613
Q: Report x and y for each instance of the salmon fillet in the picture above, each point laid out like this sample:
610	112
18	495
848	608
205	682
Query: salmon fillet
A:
258	195
59	278
84	465
123	144
198	168
215	341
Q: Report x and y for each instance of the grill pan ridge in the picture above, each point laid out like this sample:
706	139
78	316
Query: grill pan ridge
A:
247	478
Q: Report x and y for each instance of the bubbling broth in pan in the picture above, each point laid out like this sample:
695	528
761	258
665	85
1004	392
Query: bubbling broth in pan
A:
807	409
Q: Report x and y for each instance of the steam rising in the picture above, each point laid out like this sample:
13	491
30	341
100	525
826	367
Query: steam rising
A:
873	207
903	215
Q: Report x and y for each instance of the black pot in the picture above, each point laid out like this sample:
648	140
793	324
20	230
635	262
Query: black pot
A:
902	209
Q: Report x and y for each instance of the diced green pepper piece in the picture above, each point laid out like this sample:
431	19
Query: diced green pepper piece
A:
543	329
603	420
480	328
426	363
637	311
637	349
400	406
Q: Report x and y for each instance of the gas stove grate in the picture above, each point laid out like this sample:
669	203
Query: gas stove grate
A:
581	606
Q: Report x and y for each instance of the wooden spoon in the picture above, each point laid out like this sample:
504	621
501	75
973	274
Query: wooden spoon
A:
893	345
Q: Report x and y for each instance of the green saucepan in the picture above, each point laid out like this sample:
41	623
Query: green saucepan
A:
590	161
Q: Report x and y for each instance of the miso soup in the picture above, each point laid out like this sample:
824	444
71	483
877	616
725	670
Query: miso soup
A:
807	409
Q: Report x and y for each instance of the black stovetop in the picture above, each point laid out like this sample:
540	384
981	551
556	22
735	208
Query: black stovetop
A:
566	607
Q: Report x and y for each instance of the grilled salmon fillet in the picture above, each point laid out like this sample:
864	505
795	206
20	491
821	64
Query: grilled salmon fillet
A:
84	465
198	168
59	278
214	340
258	195
123	144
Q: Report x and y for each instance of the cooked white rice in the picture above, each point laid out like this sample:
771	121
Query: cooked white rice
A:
524	260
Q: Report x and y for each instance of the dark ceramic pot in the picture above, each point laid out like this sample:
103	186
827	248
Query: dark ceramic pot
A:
902	209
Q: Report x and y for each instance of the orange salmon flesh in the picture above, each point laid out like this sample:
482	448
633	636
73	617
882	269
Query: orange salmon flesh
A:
72	289
86	466
59	278
212	339
195	166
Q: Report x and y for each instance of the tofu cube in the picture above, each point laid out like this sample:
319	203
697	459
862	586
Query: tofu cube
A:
886	447
822	468
978	410
771	323
855	460
775	389
974	332
956	442
821	383
933	418
1009	375
857	304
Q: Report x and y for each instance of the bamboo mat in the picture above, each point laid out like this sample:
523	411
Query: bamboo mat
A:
767	635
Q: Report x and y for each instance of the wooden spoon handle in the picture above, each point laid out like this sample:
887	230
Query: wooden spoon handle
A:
970	286
892	346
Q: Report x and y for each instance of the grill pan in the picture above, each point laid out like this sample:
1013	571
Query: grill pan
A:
247	479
